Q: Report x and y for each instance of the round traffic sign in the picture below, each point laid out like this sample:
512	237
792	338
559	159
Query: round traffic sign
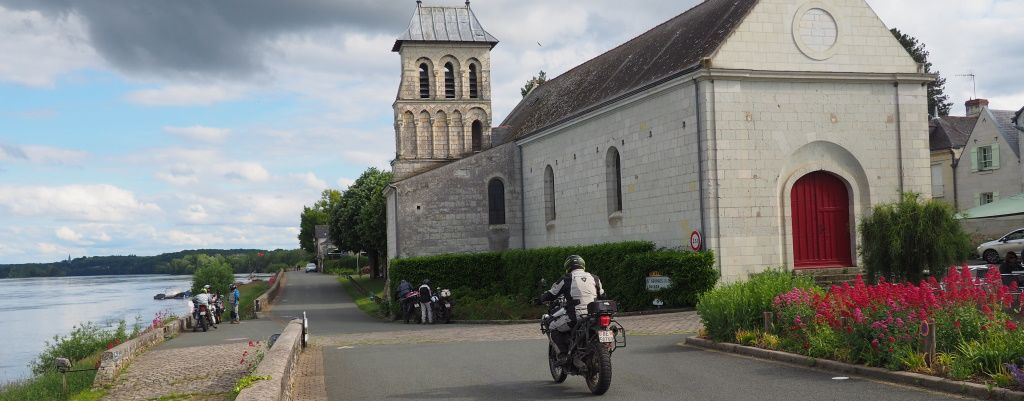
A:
695	241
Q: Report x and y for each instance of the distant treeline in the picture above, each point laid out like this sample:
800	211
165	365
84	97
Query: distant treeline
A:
183	262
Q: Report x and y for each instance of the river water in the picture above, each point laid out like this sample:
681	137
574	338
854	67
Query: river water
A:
33	310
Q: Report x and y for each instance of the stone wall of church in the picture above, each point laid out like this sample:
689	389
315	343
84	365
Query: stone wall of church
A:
446	210
769	134
656	138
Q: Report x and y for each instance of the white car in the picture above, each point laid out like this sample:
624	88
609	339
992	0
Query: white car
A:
310	267
995	251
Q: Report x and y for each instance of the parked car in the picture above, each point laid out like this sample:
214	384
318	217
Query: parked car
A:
995	251
310	267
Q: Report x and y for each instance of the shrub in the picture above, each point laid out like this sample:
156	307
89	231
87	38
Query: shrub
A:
216	274
692	274
732	307
84	340
901	240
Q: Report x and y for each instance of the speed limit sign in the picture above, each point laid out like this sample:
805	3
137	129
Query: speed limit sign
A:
695	241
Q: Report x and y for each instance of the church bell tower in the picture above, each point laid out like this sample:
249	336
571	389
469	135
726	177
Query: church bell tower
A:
443	107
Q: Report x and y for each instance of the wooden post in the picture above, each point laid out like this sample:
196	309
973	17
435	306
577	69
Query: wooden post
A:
930	343
768	322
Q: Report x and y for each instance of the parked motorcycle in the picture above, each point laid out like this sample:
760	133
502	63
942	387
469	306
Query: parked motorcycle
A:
410	304
593	340
442	305
200	315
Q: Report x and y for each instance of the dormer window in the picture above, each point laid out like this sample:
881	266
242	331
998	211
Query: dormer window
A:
449	81
424	81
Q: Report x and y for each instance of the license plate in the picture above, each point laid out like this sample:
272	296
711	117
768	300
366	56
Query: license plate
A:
605	336
417	305
202	313
447	305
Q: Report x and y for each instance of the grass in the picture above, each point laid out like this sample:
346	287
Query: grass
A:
47	386
362	301
248	294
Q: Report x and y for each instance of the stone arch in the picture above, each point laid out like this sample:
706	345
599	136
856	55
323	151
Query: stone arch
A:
408	137
424	136
478	114
827	157
441	145
457	137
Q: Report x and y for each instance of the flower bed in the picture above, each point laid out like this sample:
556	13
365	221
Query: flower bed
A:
976	335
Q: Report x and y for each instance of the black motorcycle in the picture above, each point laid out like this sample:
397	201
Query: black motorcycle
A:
593	340
442	305
201	316
410	304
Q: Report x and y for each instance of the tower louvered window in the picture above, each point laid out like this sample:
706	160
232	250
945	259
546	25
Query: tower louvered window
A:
424	81
449	81
478	136
474	90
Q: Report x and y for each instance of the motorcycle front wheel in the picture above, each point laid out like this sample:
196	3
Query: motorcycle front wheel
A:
557	371
599	369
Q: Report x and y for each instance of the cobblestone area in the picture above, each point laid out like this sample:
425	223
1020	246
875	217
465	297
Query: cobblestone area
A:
669	323
193	373
308	380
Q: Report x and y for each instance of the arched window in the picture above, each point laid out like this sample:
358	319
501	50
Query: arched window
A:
496	202
424	81
613	180
474	91
449	81
478	135
549	194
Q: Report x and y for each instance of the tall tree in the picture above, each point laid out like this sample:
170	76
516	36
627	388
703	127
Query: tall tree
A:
357	222
315	215
538	79
938	100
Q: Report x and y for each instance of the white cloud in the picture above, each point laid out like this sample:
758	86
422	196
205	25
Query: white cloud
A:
38	49
196	239
74	202
247	171
345	182
41	154
195	213
67	234
310	180
185	95
199	133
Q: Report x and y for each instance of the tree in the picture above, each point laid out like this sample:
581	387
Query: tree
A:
900	240
538	79
357	221
315	215
938	101
213	271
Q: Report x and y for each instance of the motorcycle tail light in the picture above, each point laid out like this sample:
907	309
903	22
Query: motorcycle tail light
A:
605	320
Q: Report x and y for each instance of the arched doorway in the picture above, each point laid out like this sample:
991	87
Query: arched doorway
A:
821	222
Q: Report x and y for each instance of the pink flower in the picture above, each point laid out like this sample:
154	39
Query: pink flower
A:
874	344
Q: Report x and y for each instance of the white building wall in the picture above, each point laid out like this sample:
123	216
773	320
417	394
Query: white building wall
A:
1004	180
657	141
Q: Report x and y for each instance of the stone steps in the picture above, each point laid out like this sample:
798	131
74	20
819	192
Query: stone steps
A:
828	277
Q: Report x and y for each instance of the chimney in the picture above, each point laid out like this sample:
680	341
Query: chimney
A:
975	106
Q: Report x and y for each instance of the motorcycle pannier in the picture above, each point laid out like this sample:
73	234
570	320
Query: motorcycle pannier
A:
607	306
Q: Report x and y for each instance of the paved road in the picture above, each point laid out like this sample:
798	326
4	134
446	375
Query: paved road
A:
474	362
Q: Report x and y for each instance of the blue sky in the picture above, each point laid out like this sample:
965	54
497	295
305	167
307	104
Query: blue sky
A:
141	127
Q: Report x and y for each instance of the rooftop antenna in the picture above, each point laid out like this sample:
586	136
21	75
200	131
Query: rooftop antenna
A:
419	3
974	83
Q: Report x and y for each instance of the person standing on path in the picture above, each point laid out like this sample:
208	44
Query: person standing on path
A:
235	295
426	314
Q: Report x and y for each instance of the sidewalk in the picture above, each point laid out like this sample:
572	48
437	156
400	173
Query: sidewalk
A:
193	366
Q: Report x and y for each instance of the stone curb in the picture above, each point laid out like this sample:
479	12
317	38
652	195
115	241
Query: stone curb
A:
935	383
112	360
279	362
623	314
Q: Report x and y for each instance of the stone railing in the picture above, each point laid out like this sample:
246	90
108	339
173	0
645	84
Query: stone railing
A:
113	359
262	302
278	364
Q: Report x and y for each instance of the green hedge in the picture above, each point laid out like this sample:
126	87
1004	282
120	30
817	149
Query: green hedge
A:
741	305
515	274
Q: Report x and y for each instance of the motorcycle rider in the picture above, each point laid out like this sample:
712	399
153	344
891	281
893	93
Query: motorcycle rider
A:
426	314
580	289
404	287
204	299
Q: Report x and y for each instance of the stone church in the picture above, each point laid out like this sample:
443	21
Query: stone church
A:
769	127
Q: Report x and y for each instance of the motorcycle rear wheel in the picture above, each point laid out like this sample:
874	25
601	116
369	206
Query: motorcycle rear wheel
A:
202	323
599	369
557	371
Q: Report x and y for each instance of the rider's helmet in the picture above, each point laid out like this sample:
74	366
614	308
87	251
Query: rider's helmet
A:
574	262
206	290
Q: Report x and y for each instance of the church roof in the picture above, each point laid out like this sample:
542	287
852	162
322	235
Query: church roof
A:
444	24
668	50
950	132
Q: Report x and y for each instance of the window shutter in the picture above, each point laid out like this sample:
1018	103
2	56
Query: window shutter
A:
977	199
995	196
974	161
995	155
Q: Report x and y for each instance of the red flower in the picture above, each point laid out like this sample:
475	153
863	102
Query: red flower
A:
1011	326
892	339
874	344
250	343
956	323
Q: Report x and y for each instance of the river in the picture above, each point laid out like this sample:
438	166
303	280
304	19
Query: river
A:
33	310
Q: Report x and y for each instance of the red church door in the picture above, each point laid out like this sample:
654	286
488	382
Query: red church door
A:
821	222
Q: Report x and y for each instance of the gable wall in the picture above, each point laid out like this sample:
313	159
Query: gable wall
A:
1006	180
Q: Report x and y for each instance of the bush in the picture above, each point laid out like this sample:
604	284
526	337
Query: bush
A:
511	278
84	340
217	275
901	240
732	307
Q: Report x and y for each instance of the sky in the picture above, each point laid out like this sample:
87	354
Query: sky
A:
144	126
